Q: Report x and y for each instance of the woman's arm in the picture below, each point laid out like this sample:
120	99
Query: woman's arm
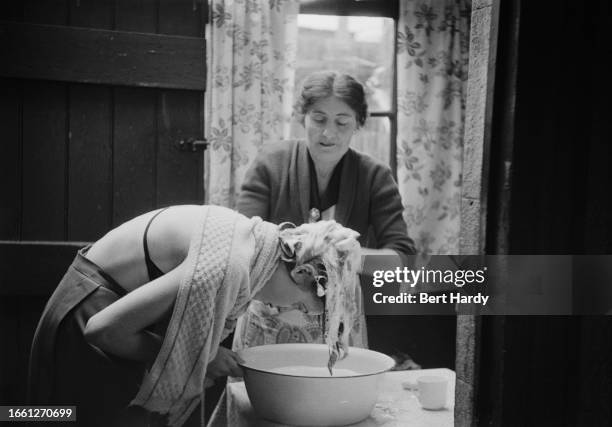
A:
119	329
390	231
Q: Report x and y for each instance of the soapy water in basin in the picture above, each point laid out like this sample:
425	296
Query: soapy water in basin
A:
313	371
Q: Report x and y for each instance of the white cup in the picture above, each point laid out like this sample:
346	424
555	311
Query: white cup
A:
432	391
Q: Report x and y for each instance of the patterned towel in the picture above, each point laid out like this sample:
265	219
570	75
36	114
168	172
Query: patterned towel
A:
230	258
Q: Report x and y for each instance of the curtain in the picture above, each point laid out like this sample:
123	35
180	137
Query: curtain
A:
251	48
432	65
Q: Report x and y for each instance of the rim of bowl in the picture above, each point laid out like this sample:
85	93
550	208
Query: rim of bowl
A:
245	366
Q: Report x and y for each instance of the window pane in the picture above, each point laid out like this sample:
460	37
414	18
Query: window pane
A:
360	46
372	139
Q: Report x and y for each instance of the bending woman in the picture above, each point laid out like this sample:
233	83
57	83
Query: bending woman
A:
160	291
323	178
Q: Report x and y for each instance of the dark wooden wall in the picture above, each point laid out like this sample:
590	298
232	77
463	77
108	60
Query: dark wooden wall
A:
80	158
561	201
94	96
550	124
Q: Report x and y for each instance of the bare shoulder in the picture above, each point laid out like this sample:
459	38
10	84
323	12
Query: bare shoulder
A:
168	236
172	230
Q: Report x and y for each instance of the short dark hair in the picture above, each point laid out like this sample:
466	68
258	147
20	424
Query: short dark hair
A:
323	84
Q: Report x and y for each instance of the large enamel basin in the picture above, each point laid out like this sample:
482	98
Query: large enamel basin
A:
303	393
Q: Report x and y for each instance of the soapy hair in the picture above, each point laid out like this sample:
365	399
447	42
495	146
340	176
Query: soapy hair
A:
330	253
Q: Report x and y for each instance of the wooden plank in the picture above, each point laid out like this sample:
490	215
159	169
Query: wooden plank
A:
513	400
90	159
91	14
179	173
136	15
29	273
101	56
596	229
593	393
134	153
555	354
498	221
182	18
492	355
541	184
10	159
29	310
9	321
44	262
44	161
11	11
22	299
54	12
519	349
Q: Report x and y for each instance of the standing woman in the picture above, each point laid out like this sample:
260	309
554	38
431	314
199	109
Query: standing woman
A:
323	178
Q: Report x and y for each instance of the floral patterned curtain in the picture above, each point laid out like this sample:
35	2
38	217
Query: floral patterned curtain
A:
251	47
432	65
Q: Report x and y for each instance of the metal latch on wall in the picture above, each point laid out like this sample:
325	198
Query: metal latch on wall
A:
192	144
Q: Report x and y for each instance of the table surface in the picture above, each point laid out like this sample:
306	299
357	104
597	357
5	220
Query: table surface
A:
396	406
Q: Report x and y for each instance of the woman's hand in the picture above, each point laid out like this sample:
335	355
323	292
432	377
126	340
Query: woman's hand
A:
225	364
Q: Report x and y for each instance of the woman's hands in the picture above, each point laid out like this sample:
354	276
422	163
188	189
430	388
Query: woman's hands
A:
225	364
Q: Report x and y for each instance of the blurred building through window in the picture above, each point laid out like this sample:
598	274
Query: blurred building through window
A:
362	47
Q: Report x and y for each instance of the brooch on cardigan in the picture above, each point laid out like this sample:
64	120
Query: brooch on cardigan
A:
314	215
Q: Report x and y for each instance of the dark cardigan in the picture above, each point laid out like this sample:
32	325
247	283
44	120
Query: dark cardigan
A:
277	188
